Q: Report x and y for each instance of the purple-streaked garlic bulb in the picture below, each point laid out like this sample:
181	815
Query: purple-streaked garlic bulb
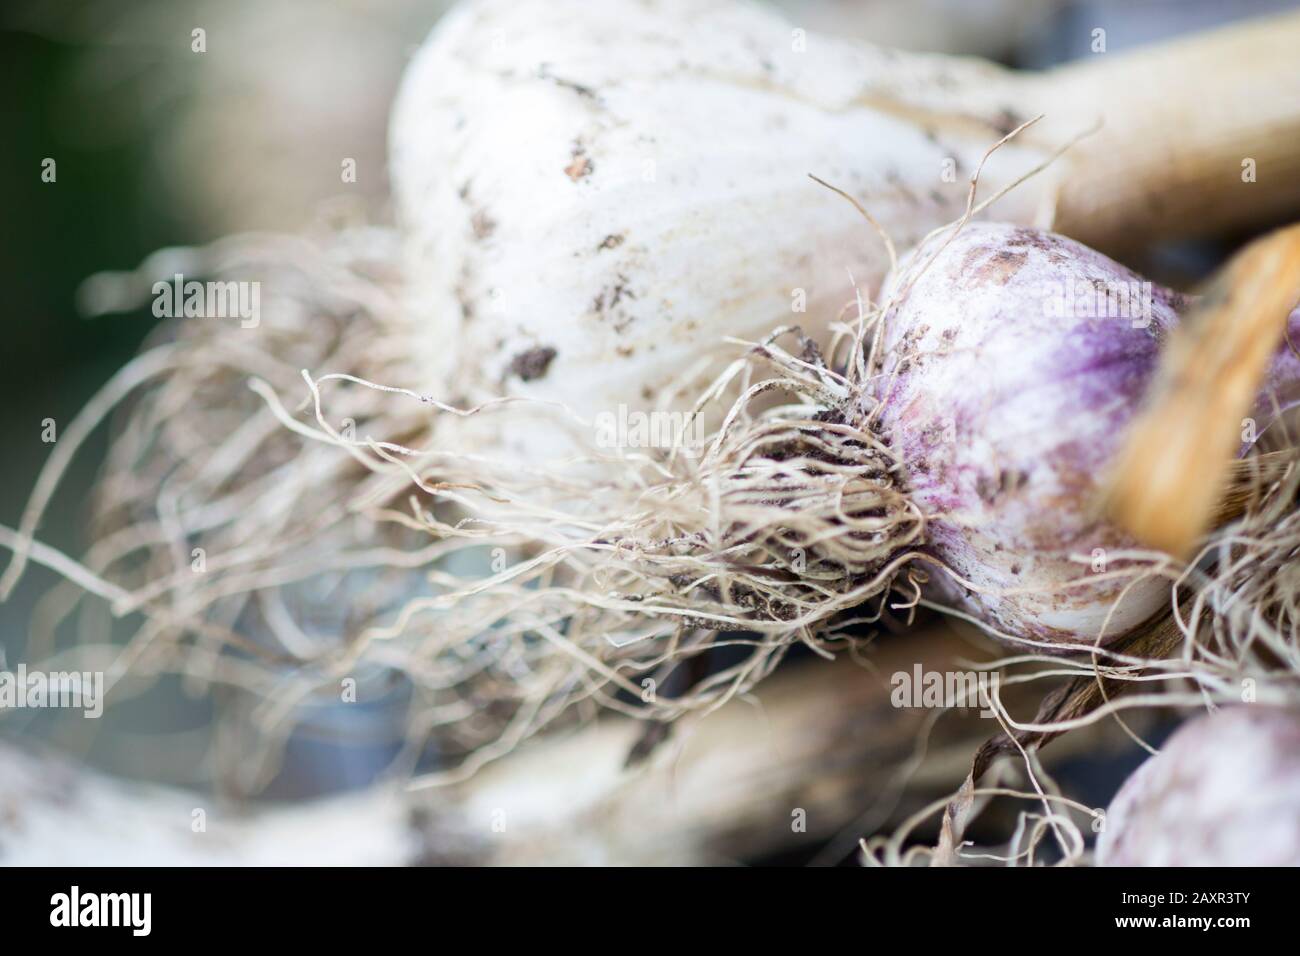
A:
1014	363
1223	791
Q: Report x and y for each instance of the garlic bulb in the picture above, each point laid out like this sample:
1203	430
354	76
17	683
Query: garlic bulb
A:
1223	791
1015	361
1006	395
595	195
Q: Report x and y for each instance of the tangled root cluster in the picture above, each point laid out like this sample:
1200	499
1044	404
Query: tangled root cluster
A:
234	552
1241	617
564	589
279	533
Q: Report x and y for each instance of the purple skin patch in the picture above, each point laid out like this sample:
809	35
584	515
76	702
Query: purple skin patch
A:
1015	364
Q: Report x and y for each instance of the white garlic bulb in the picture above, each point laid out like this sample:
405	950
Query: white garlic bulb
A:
594	195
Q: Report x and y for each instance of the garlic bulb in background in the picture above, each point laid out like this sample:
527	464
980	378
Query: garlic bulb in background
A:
595	195
1223	791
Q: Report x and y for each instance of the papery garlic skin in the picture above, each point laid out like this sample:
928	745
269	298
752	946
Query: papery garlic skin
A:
1223	791
595	194
1006	398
